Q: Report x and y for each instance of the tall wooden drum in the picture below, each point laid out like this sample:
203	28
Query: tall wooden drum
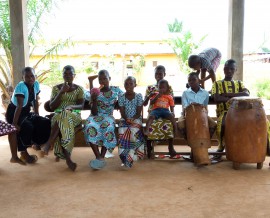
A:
246	132
198	135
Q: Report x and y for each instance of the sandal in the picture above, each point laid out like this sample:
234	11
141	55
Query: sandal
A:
177	156
97	164
30	160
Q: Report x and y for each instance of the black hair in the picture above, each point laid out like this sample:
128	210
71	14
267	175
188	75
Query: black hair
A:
164	81
160	67
230	61
69	68
132	78
28	69
193	74
104	72
193	60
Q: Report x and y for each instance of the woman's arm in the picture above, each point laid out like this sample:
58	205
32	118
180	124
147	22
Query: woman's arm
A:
18	111
36	106
138	112
56	101
122	112
93	100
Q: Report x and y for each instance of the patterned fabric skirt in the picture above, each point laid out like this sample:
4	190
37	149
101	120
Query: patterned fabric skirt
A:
160	129
6	128
99	130
215	63
66	121
131	142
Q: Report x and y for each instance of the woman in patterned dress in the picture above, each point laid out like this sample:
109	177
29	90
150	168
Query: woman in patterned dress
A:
100	125
131	139
10	130
66	101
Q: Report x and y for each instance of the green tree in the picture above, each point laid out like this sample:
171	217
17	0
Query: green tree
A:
182	43
36	10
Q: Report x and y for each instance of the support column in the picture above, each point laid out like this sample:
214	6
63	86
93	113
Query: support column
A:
236	34
19	37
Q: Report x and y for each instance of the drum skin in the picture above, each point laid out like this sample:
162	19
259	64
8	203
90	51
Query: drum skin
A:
246	131
198	135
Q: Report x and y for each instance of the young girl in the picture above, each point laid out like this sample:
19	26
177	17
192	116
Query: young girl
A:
131	140
159	125
100	125
31	128
161	102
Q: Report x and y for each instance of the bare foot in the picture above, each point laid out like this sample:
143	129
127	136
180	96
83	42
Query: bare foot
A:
71	165
36	147
17	160
45	149
57	159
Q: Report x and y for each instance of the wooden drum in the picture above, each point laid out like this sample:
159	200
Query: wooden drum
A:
246	132
198	135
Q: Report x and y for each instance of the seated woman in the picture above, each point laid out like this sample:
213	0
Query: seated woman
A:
66	101
31	128
100	125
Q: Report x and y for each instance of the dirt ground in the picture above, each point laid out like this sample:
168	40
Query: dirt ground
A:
152	188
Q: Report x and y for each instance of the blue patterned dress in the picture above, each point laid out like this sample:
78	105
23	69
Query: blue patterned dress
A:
131	140
99	129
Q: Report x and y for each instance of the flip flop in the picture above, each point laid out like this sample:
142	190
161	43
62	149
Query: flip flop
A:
177	156
97	164
160	156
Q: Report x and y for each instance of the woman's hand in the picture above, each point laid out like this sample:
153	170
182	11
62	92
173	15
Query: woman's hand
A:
94	96
65	87
69	108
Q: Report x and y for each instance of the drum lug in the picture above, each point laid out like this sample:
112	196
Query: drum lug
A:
259	165
236	165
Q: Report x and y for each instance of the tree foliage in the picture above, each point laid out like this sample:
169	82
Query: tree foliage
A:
36	11
182	43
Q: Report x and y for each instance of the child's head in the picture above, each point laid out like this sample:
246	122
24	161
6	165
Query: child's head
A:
229	69
68	73
193	80
163	86
130	83
160	72
194	62
104	78
28	75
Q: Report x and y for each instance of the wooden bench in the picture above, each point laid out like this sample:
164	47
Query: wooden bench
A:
80	141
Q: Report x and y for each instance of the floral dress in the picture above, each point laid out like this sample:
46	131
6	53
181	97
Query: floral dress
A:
6	128
66	120
160	129
99	129
131	140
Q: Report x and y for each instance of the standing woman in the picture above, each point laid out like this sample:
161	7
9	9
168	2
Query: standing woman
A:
100	125
31	128
67	99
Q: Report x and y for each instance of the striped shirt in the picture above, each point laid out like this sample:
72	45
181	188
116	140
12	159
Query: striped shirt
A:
210	59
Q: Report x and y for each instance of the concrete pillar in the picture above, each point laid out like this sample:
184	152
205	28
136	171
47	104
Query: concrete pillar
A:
19	37
236	34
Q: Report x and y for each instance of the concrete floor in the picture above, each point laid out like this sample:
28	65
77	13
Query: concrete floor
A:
152	188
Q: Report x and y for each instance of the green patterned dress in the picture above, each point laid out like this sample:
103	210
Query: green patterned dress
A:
66	120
